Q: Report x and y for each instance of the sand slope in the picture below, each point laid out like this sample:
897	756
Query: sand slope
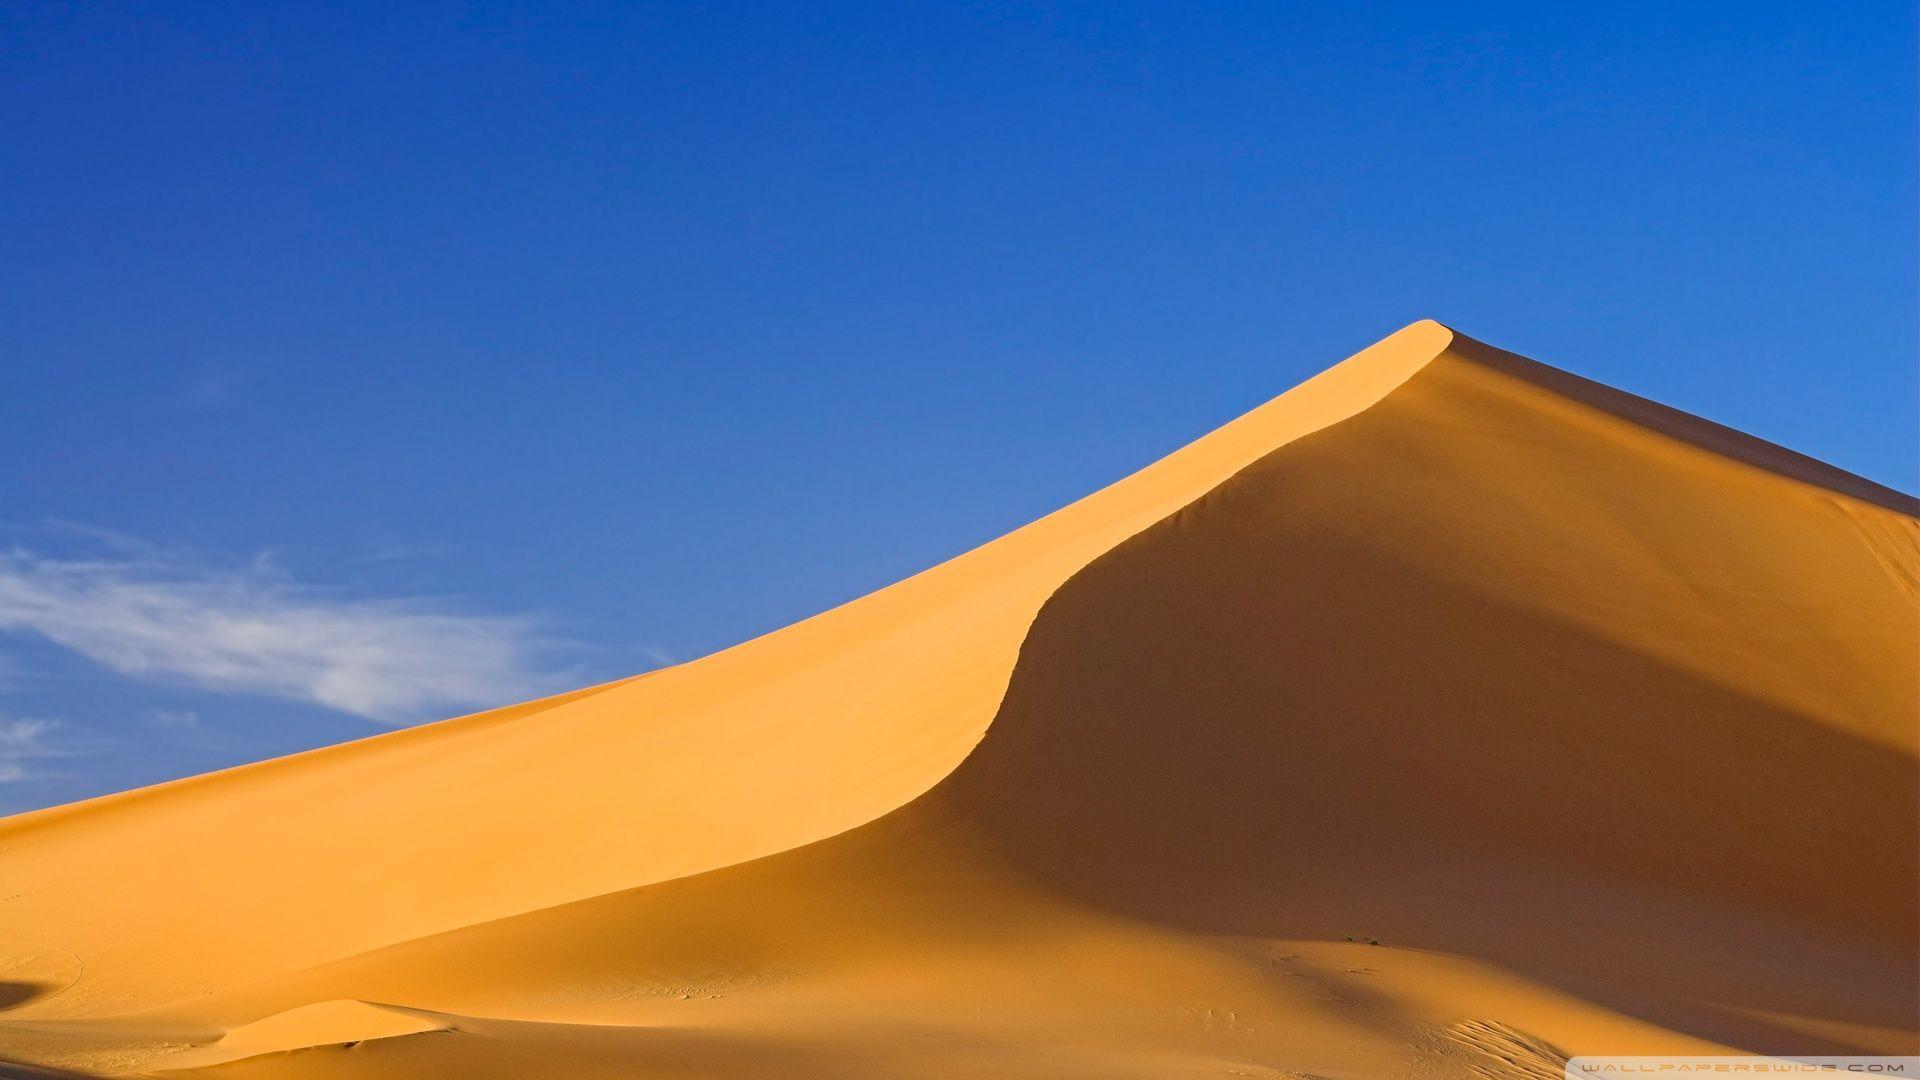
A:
1599	718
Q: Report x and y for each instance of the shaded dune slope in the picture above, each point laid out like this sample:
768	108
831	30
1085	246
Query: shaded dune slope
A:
1600	717
1589	700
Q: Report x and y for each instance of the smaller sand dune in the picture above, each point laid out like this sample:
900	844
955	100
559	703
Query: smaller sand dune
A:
344	1023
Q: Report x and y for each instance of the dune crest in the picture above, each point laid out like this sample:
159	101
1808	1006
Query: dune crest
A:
1446	709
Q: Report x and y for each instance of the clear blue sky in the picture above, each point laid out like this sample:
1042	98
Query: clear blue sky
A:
545	342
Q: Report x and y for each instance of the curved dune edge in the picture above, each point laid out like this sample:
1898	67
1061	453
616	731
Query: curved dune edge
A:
1151	867
881	697
342	1024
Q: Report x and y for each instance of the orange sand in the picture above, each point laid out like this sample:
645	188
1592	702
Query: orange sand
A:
1599	718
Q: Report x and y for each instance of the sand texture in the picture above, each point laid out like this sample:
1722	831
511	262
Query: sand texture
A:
1444	716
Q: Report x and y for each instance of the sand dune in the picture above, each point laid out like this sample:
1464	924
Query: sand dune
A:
1444	716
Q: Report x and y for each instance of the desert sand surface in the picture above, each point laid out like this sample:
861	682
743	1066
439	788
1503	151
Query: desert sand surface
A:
1445	716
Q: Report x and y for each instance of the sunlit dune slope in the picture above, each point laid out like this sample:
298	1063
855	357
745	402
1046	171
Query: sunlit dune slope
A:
1598	718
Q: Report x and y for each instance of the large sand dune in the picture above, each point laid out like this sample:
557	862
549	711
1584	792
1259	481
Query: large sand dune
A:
1598	718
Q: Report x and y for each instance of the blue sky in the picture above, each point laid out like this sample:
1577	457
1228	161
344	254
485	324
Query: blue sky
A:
368	365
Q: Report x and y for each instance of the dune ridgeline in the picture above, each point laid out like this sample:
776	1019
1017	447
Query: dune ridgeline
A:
1447	715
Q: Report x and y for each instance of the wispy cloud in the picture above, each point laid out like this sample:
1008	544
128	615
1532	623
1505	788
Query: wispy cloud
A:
175	720
252	629
24	743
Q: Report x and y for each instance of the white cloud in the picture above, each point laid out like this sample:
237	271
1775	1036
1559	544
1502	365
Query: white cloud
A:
23	742
182	720
253	630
